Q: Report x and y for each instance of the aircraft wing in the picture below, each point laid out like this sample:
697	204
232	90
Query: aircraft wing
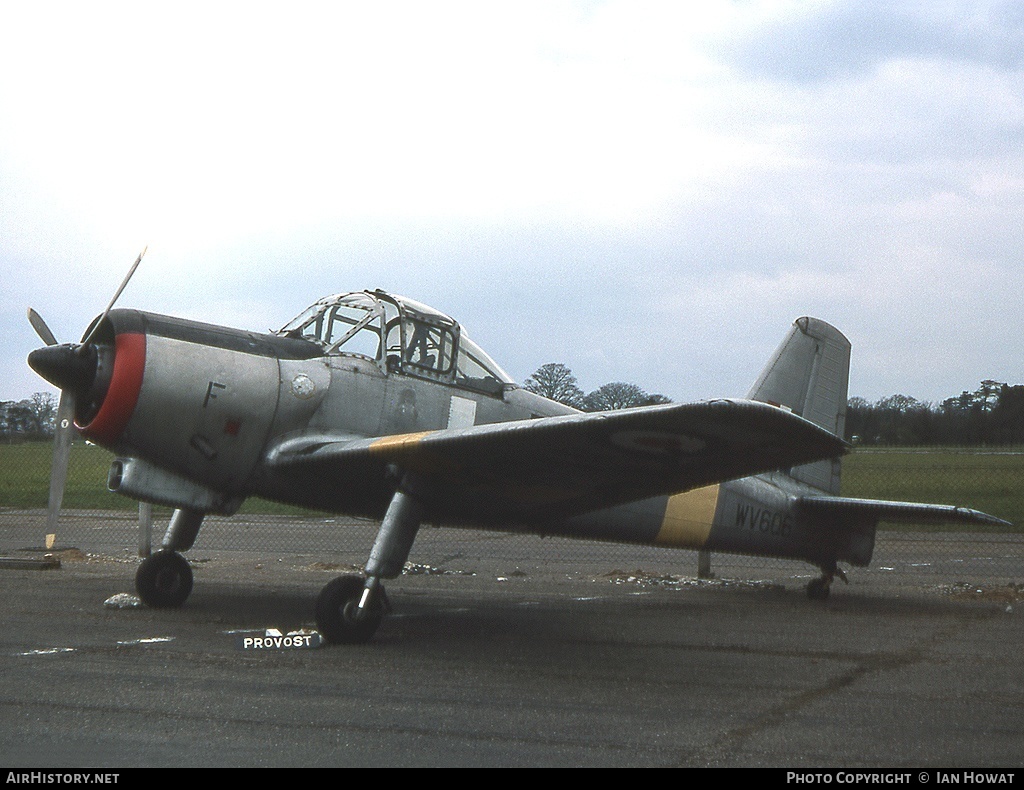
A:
560	466
840	509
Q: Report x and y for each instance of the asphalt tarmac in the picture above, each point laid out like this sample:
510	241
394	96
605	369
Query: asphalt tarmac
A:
516	654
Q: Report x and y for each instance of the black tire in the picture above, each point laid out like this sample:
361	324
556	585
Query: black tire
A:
817	590
164	580
337	618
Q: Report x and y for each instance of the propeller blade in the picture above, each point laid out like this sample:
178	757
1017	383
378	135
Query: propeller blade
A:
63	435
117	294
41	328
70	366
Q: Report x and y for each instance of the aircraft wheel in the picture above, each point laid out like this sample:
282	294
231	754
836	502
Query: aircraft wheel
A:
164	580
337	611
817	590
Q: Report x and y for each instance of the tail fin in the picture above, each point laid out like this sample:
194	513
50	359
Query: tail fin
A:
810	374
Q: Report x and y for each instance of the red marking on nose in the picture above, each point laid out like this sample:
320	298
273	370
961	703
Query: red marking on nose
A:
123	394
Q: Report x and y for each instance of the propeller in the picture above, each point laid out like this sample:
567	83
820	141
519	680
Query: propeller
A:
61	439
117	294
72	368
41	328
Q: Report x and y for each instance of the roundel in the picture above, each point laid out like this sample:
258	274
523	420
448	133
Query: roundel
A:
658	442
303	387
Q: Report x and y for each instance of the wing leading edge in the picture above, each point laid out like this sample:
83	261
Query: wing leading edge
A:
562	466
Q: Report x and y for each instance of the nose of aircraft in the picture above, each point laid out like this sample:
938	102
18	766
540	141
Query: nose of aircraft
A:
68	366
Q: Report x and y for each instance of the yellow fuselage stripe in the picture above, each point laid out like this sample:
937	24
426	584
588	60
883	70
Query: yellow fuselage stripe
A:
398	441
688	518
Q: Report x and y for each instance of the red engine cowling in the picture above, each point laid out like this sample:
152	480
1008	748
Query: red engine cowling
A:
103	416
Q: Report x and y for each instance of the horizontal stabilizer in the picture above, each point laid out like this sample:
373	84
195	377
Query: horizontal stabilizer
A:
845	508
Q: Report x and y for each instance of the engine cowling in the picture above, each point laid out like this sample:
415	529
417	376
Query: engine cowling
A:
194	399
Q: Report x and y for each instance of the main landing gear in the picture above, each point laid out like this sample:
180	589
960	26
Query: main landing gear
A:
350	608
818	589
341	615
164	579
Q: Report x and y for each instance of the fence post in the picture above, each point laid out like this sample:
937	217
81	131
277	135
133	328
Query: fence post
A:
145	529
704	565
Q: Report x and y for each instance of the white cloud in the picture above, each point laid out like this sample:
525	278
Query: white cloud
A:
693	177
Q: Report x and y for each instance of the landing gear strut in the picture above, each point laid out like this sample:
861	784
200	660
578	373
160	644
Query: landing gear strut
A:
350	608
818	589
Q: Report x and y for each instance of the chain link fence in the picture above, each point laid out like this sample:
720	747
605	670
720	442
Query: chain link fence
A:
95	521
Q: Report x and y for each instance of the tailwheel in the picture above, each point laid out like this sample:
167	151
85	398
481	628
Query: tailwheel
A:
164	580
818	589
339	616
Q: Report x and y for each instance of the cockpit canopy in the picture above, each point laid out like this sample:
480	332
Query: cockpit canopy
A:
398	334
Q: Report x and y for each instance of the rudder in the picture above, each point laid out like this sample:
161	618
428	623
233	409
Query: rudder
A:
809	374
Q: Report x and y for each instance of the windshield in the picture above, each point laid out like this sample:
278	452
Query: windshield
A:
347	324
473	363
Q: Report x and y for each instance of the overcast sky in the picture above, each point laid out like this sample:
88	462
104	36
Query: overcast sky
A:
648	192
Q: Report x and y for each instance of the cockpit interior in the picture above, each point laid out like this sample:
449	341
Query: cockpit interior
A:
399	335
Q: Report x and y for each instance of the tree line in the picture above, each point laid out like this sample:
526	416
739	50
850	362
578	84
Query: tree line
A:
557	382
29	419
993	414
